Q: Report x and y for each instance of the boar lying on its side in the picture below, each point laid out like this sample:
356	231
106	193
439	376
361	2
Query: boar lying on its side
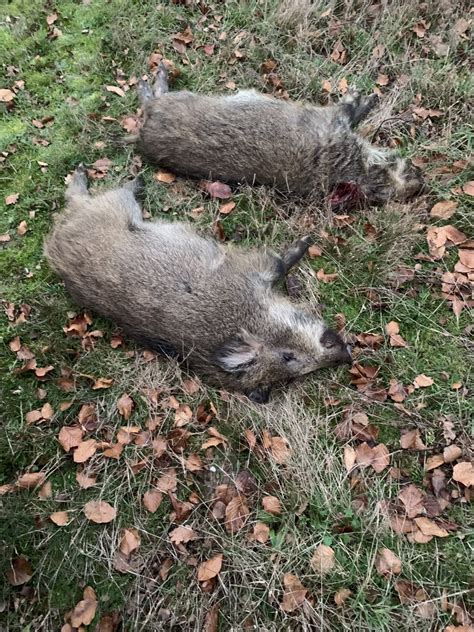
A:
188	296
255	138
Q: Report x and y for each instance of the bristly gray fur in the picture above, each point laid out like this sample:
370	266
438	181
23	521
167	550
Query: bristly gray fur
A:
210	304
259	139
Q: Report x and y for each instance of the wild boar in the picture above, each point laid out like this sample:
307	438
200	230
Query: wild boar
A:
211	305
255	138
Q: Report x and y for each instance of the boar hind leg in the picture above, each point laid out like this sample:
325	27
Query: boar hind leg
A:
356	107
77	186
161	84
295	252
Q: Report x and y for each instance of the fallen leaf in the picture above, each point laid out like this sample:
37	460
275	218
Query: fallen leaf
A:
12	199
33	416
218	190
114	451
341	596
272	505
116	90
168	481
468	188
380	457
429	527
226	208
433	462
159	447
152	500
422	381
412	498
60	518
99	511
22	228
84	612
325	277
194	463
210	568
85	481
294	594
102	382
424	113
382	80
326	86
349	457
411	440
6	95
46	490
70	437
20	571
165	177
444	210
129	542
261	532
466	257
387	563
279	449
125	406
30	480
393	330
84	451
236	514
182	534
464	473
323	559
451	453
51	19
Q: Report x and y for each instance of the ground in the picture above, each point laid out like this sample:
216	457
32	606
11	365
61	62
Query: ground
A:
367	527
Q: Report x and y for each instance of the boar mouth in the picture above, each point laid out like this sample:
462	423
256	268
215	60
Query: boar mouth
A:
346	195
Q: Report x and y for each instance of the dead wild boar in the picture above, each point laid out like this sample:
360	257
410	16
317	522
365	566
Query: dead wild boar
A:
255	138
211	305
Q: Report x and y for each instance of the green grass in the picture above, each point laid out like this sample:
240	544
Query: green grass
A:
65	78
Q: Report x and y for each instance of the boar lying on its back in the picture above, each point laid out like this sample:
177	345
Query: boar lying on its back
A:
188	296
255	138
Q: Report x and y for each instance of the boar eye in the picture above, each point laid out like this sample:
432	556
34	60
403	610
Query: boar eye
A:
288	357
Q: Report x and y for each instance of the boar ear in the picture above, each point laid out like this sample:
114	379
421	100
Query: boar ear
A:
238	353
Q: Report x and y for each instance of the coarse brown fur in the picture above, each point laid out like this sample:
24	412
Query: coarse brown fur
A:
256	138
188	296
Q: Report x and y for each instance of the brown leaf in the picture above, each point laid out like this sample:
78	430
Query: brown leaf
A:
341	595
468	188
349	457
11	199
125	405
102	382
60	518
30	480
444	210
51	19
129	542
114	451
464	473
46	491
159	447
261	532
236	514
164	176
116	90
466	257
429	527
210	568
411	440
422	381
279	449
70	437
194	463
226	208
99	511
218	190
380	457
325	277
393	329
84	450
22	228
250	438
272	505
182	535
168	481
85	481
387	563
20	571
152	500
323	559
434	461
183	415
84	612
33	416
412	498
295	593
6	96
451	453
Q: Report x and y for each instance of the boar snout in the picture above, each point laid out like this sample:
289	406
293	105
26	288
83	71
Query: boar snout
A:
338	351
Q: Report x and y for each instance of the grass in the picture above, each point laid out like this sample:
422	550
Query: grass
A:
65	78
